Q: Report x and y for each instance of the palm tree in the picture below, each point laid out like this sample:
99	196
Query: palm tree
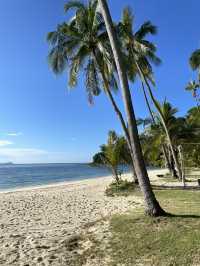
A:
195	61
152	206
140	53
168	116
137	49
111	154
192	86
82	45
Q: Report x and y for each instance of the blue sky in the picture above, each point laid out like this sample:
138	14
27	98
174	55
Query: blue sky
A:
40	119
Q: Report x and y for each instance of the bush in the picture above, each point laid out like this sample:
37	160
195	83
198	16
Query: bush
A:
123	188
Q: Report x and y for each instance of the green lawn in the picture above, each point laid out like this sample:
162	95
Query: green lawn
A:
134	239
140	240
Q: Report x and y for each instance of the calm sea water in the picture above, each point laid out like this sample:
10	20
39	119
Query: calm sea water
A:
19	176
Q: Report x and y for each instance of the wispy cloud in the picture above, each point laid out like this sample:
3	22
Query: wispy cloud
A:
14	134
5	143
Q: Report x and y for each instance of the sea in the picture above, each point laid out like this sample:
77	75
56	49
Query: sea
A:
17	176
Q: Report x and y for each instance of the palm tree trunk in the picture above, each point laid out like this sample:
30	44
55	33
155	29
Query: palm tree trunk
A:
115	174
152	206
167	161
120	116
172	166
147	102
163	122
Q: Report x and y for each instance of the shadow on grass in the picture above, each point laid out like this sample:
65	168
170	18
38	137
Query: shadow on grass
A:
164	187
185	216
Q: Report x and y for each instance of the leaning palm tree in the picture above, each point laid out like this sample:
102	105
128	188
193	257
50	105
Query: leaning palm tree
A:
152	206
140	53
82	46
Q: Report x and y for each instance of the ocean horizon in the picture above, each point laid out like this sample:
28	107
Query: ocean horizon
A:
17	176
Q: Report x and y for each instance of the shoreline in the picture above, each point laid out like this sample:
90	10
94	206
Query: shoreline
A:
52	185
75	182
37	223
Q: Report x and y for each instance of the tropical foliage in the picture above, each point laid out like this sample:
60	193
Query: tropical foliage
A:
184	131
113	154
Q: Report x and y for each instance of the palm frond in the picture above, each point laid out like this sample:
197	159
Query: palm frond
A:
73	72
127	19
74	5
92	81
145	29
192	85
52	37
57	59
195	60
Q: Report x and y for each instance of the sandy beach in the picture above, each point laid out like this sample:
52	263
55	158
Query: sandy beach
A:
36	223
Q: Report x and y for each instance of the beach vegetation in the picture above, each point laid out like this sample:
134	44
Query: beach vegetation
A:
121	188
113	154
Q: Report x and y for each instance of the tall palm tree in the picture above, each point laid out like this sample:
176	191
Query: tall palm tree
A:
152	206
137	49
140	53
82	45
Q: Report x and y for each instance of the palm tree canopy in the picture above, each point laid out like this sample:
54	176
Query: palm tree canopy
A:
195	60
135	46
168	114
192	85
81	45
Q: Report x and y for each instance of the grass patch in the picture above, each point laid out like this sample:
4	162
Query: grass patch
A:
123	188
141	240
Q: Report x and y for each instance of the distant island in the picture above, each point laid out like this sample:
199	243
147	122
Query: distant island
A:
7	163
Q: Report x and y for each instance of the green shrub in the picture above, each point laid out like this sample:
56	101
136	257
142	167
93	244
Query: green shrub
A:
123	188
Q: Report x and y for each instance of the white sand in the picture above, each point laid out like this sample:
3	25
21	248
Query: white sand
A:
36	223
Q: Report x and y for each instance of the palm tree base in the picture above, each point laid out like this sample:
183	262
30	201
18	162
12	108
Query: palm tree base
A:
156	211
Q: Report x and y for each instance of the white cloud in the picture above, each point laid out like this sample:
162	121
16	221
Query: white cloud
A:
14	134
5	143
